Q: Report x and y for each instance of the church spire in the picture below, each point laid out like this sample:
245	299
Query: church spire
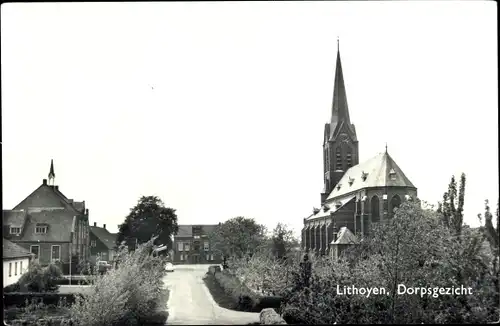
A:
340	110
52	175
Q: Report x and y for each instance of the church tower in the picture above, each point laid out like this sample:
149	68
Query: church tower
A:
340	144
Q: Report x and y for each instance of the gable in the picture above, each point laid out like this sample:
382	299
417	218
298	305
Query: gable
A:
343	128
43	197
104	236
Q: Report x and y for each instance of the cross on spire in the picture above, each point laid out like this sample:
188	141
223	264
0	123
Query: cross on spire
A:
338	44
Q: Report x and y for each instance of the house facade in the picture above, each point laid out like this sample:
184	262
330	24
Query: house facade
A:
102	243
49	225
191	245
355	195
16	261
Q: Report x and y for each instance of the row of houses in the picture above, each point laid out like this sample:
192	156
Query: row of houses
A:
49	227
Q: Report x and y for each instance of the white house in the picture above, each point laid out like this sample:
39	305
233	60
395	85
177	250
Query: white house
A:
16	260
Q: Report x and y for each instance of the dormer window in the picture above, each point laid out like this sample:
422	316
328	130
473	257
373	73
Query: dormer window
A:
338	205
351	181
41	229
15	230
315	210
392	174
364	175
326	208
338	186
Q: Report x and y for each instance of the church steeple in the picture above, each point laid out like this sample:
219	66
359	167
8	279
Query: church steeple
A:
52	175
340	110
340	144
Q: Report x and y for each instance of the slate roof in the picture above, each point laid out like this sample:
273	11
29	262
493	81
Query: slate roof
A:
345	236
60	225
107	238
378	171
187	230
332	207
12	250
14	218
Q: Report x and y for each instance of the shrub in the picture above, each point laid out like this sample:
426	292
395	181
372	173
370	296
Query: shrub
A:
40	279
244	298
127	295
12	288
21	299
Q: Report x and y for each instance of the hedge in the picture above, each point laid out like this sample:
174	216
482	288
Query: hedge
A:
19	298
243	298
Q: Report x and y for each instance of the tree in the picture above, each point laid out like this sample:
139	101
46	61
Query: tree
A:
238	237
282	241
452	206
149	218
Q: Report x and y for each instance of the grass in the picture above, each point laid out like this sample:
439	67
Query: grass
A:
217	292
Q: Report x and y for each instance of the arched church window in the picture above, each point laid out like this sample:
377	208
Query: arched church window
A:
349	157
395	203
375	209
338	159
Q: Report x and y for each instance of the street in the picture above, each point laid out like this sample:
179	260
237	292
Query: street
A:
190	302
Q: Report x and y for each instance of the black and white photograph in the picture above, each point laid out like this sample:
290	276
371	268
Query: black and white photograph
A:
250	163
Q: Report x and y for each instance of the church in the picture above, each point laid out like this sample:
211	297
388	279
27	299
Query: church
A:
355	195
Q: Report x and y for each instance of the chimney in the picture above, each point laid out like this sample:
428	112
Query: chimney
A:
95	223
57	188
45	181
87	211
104	226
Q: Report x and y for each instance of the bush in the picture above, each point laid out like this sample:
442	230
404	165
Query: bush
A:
127	295
214	269
244	298
40	279
21	299
269	302
12	288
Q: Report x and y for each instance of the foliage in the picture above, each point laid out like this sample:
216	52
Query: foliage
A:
243	299
452	206
22	299
40	279
238	237
149	218
128	294
415	249
283	241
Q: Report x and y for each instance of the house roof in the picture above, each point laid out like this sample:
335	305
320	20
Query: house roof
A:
107	238
14	218
12	250
379	170
345	236
59	222
187	230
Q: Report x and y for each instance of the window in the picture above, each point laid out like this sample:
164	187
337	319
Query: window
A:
35	250
208	257
15	268
349	157
186	246
351	181
392	174
93	243
338	160
196	236
15	230
182	257
211	257
21	267
56	253
10	269
40	229
180	246
364	175
206	245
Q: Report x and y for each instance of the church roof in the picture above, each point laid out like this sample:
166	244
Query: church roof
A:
332	207
345	236
379	171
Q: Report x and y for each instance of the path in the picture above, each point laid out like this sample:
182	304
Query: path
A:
190	302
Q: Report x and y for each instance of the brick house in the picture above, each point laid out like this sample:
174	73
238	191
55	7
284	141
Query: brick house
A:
49	225
16	260
355	195
102	243
192	246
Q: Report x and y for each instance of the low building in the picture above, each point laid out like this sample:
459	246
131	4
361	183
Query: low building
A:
192	245
16	261
49	225
102	243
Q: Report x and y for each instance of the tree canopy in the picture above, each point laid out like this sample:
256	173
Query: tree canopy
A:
238	237
149	218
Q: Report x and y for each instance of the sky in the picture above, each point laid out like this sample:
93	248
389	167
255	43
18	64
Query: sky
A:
218	108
